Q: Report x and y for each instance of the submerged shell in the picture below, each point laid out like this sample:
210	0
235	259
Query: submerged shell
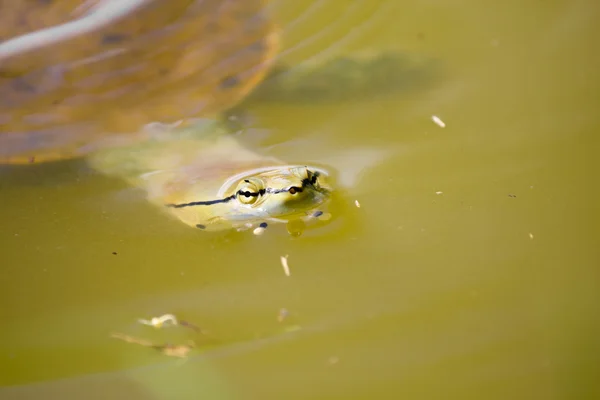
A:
117	65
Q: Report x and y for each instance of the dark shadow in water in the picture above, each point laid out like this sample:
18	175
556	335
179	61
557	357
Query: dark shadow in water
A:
352	77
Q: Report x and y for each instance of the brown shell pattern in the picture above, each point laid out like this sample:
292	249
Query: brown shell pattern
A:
164	60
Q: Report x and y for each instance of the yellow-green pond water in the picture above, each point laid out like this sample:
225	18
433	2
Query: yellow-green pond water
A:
470	271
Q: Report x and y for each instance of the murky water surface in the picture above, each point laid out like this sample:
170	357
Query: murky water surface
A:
470	269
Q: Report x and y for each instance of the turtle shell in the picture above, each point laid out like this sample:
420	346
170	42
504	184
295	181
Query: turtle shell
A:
73	73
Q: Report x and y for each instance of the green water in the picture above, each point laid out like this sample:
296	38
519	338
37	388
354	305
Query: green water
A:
470	270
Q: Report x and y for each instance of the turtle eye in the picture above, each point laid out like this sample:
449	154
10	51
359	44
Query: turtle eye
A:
247	197
249	191
294	190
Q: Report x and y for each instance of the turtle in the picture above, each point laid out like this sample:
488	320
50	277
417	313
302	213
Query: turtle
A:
79	79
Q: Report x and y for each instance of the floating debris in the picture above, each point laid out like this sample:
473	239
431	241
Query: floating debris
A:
168	319
180	350
321	216
438	121
259	231
283	314
284	264
356	203
438	193
530	235
158	322
170	350
512	195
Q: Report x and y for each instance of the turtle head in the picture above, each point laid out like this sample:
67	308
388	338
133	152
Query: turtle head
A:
282	192
267	194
